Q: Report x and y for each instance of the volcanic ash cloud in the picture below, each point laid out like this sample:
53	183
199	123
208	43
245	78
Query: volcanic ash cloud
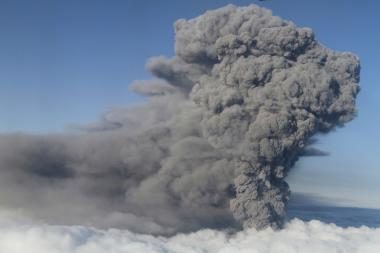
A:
225	120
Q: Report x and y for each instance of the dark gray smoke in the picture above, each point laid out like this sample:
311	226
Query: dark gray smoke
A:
225	121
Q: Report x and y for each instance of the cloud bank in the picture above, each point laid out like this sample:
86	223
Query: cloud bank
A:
226	119
297	236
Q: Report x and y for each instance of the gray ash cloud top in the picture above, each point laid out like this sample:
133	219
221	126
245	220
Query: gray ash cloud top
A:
226	119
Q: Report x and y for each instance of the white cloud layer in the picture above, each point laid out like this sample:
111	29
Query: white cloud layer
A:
298	236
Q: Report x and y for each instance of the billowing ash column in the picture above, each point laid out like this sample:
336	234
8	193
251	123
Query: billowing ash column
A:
270	86
225	120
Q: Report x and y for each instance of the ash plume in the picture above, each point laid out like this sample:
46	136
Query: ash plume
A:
226	119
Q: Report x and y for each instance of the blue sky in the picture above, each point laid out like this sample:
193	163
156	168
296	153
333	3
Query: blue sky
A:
64	62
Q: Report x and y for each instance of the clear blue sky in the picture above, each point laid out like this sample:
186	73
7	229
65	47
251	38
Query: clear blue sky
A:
64	62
